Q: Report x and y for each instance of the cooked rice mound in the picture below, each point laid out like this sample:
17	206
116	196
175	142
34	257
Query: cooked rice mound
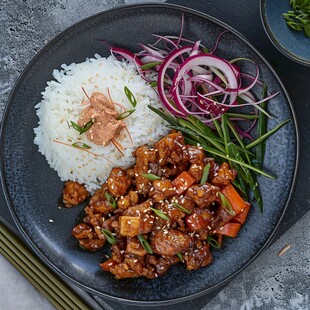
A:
62	102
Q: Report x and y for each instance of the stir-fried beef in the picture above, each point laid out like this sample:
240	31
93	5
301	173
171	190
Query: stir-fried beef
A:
157	213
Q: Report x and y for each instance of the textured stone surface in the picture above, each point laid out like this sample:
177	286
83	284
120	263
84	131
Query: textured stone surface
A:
272	282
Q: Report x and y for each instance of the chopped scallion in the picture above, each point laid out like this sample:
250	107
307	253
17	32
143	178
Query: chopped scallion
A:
125	114
226	204
109	236
160	214
81	145
180	256
130	96
151	176
205	174
110	200
213	242
147	247
181	208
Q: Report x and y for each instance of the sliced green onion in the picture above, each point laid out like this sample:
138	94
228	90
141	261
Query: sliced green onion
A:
125	114
84	128
180	256
76	126
181	208
160	214
150	65
153	84
151	176
109	236
110	200
130	96
213	242
147	247
87	126
205	174
226	205
81	145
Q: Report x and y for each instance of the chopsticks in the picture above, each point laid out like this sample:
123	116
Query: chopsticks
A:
28	264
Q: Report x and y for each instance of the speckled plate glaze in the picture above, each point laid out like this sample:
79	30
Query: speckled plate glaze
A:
32	188
293	44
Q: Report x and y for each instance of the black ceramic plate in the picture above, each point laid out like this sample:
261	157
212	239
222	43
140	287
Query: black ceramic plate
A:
32	188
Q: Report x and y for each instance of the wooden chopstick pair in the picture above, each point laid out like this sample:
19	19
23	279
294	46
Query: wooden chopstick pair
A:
26	262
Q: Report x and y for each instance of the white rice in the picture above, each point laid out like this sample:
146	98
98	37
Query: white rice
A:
62	103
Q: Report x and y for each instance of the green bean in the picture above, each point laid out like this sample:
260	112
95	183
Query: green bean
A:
266	135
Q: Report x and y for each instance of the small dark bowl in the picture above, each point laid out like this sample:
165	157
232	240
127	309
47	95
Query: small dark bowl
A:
293	44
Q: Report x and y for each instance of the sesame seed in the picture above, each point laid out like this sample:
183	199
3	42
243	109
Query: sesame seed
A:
221	228
51	221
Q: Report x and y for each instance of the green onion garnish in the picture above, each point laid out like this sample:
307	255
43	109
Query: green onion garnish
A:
84	128
205	174
180	256
125	114
181	208
110	200
213	242
226	205
81	145
130	96
151	176
147	247
110	238
160	214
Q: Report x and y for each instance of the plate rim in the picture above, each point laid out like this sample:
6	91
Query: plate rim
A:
14	91
274	40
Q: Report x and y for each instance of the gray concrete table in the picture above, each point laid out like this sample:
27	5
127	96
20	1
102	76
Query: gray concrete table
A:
271	282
